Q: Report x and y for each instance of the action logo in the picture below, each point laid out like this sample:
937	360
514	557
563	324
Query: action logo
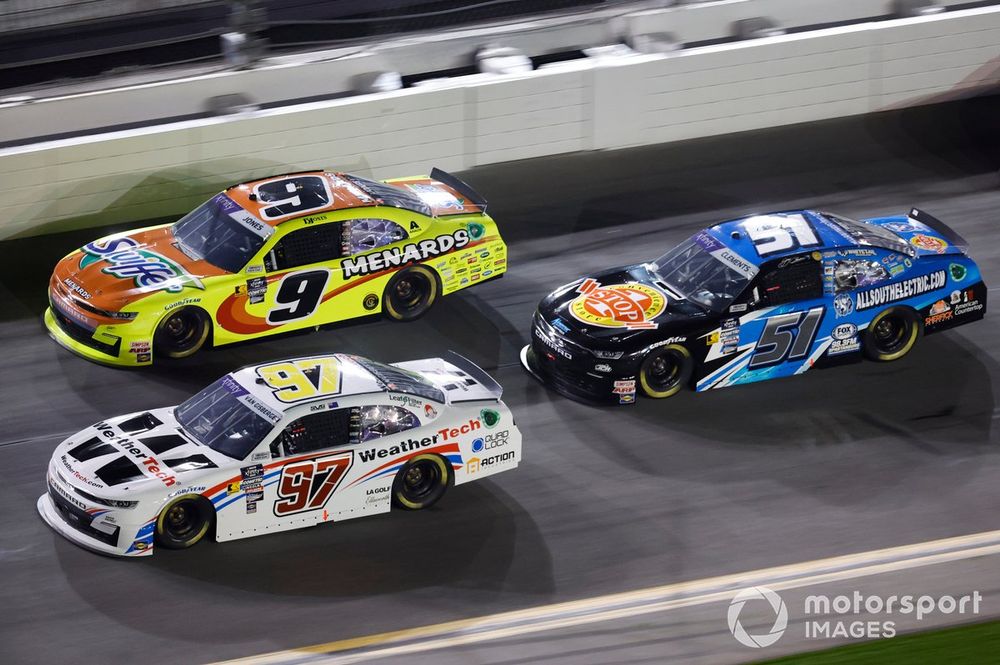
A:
632	305
145	267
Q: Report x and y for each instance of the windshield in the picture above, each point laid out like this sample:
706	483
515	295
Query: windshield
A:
400	380
700	270
224	417
222	233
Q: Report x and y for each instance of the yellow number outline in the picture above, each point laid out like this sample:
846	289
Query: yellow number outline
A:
289	383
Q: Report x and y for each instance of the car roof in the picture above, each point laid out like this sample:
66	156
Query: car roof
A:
734	234
316	192
351	379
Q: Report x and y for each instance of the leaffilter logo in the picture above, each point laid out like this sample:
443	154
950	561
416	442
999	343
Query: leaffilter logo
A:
780	618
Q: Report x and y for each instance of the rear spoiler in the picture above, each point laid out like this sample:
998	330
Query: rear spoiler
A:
474	371
939	227
461	187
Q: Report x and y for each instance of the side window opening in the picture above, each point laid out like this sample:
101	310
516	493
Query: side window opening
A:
381	420
305	246
849	274
362	235
795	278
326	429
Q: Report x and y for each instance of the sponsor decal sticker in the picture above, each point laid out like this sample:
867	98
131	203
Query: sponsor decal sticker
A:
631	305
476	230
843	305
395	257
370	302
929	243
256	289
489	417
899	227
907	288
957	271
148	269
844	331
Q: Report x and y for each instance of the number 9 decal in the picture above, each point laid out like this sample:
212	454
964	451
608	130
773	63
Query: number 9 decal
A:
298	295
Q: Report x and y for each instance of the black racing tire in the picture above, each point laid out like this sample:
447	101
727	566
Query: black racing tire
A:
410	293
184	522
892	334
421	482
181	333
665	371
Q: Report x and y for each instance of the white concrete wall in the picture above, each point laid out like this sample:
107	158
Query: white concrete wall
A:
462	123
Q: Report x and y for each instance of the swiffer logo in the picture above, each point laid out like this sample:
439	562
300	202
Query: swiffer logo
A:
399	256
145	267
908	288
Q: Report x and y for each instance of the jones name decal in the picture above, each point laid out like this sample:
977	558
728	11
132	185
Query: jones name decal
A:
400	256
907	288
145	267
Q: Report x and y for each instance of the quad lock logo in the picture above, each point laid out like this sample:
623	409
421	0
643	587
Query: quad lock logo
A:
491	441
631	305
145	267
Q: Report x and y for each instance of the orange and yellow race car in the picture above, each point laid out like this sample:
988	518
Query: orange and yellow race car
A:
287	252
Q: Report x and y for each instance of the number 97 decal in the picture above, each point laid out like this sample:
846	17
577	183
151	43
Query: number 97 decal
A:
298	295
308	485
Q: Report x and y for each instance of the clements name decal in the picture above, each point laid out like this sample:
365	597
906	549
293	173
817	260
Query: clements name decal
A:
400	256
901	290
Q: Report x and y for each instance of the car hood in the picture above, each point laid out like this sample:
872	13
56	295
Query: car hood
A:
114	271
616	305
136	452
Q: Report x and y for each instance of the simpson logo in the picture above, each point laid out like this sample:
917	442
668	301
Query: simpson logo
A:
908	288
146	268
399	256
631	305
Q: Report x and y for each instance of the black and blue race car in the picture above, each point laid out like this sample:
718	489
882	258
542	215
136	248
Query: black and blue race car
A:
760	297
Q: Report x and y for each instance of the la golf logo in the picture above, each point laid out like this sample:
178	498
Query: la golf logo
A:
780	617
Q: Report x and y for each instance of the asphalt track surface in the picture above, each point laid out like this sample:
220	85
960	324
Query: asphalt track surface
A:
607	499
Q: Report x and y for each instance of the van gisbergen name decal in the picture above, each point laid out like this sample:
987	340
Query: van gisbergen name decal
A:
908	288
400	256
145	267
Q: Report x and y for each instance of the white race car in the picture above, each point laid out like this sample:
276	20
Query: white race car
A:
280	446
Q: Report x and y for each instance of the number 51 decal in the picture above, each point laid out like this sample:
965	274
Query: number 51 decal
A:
786	337
307	485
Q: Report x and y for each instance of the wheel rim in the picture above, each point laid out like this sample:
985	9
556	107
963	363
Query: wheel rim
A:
664	372
181	331
410	292
420	480
181	521
890	334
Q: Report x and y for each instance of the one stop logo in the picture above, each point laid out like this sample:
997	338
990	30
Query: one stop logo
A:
631	305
